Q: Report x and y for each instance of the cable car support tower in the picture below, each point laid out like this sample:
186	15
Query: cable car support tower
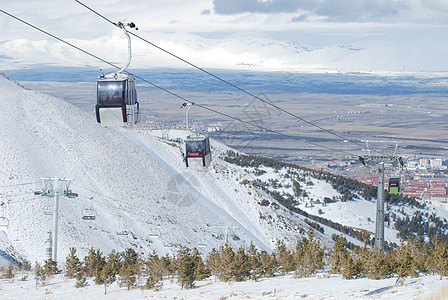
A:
379	161
55	187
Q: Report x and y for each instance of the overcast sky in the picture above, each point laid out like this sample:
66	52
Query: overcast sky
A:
214	16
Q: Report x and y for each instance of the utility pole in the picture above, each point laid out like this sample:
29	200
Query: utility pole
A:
55	187
380	161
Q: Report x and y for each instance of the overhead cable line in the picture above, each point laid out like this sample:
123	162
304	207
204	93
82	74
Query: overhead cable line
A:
18	184
226	81
178	96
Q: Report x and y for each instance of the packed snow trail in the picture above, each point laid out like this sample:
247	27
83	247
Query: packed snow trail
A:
187	186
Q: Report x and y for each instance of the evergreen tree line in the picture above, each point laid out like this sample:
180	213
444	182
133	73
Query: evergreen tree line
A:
130	269
349	189
418	226
411	258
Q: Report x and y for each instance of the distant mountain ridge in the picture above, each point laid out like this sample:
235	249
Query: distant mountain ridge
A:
399	51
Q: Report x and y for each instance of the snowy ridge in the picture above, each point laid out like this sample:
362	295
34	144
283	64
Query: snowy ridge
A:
382	51
133	180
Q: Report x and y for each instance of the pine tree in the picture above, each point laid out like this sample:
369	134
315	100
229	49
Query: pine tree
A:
168	268
308	256
128	276
72	263
200	270
420	253
225	262
338	255
80	280
107	275
350	268
154	269
404	266
26	265
130	268
361	256
40	274
213	262
94	262
378	265
114	260
439	262
254	262
268	264
284	258
185	267
10	272
99	264
241	266
51	267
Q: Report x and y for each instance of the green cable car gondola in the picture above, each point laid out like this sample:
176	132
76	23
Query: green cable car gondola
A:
394	185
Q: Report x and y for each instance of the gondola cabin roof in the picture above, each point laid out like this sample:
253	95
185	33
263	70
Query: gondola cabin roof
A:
115	76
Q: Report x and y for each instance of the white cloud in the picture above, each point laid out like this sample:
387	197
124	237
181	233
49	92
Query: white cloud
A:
439	5
352	11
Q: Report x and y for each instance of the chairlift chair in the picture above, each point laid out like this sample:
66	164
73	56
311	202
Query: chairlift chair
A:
89	214
122	232
48	211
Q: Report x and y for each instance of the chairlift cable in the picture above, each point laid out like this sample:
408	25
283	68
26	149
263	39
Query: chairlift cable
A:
19	184
178	96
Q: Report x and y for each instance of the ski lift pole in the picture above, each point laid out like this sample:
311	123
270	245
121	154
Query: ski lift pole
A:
53	189
379	230
55	221
380	161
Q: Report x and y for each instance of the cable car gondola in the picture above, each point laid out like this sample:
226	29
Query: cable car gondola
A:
197	147
394	185
117	103
197	152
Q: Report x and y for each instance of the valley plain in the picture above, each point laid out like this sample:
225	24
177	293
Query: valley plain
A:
321	109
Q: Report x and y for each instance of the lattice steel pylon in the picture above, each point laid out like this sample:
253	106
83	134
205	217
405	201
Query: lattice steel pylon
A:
55	187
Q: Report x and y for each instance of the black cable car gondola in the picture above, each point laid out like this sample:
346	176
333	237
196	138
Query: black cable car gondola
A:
116	100
394	185
117	103
197	152
197	148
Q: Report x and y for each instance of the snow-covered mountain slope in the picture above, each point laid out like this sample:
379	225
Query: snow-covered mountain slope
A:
380	51
133	180
136	182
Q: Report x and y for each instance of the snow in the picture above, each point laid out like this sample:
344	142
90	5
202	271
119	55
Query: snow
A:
385	51
282	287
132	179
137	182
